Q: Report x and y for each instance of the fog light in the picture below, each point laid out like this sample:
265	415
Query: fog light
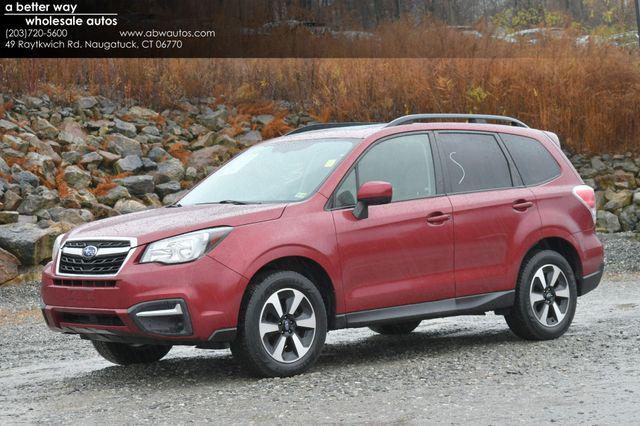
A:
164	317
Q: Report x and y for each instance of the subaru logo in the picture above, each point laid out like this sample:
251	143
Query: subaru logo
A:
89	251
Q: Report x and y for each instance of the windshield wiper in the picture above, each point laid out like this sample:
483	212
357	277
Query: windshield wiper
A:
173	206
234	202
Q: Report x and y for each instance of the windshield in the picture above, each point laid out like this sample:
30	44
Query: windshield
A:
272	172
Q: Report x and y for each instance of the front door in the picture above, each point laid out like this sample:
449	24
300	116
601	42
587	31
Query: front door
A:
403	252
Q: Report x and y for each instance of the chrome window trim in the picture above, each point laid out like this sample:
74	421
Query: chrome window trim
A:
133	243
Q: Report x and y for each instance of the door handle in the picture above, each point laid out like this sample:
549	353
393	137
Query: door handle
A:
438	218
522	205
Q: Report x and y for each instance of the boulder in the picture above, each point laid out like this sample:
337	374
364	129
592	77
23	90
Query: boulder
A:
157	154
137	185
71	157
11	200
141	113
108	158
151	131
264	119
4	167
165	189
250	138
172	169
91	159
43	164
86	102
125	128
37	201
73	216
25	177
598	165
7	125
44	129
123	146
7	217
629	217
16	143
173	198
28	242
607	222
130	163
617	200
76	177
129	206
73	128
113	195
47	148
213	120
210	156
8	266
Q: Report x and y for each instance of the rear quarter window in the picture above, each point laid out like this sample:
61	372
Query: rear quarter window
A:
534	163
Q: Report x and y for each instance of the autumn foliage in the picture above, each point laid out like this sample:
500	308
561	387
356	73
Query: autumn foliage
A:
589	95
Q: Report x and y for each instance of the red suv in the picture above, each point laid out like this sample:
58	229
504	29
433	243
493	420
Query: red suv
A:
336	226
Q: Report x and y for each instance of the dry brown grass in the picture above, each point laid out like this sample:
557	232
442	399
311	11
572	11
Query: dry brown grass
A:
590	96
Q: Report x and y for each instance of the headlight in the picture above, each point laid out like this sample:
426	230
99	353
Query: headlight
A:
56	245
186	247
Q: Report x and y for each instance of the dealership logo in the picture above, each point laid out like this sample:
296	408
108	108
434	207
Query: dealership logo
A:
89	252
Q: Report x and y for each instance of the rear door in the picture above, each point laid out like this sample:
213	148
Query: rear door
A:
403	252
494	215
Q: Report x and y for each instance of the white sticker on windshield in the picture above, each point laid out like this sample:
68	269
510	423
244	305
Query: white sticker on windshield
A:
300	195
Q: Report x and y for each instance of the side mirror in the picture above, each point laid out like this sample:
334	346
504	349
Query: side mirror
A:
372	194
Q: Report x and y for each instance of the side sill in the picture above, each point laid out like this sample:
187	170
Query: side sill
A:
467	305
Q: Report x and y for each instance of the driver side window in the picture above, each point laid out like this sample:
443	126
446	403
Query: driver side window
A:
405	162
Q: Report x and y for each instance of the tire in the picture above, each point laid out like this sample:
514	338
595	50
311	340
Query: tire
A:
272	343
544	307
395	329
124	354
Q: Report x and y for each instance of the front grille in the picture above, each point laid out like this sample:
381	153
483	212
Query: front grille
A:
98	244
90	319
102	265
85	283
110	256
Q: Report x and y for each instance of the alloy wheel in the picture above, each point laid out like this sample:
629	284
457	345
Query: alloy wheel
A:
549	295
287	325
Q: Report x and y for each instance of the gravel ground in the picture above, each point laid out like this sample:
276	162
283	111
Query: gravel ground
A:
450	371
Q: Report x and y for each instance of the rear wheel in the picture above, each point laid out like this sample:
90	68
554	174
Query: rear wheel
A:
125	354
282	328
398	328
546	298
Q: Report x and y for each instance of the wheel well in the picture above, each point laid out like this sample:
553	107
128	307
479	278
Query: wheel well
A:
311	270
563	247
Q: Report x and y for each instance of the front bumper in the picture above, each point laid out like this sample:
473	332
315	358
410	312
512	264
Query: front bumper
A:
191	303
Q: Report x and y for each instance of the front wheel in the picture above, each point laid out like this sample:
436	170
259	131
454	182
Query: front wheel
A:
125	354
282	328
546	298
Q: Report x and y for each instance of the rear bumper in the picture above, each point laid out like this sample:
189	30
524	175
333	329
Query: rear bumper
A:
590	282
190	304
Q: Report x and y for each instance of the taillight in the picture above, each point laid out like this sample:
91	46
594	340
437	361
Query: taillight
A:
587	196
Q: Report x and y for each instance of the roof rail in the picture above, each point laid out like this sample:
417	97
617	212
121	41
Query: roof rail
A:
471	118
322	126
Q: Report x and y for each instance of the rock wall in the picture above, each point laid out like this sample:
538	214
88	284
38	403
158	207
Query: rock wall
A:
66	164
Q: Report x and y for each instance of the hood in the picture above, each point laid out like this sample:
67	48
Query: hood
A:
152	225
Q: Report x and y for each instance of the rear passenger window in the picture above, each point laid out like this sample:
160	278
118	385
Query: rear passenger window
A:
474	162
534	162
